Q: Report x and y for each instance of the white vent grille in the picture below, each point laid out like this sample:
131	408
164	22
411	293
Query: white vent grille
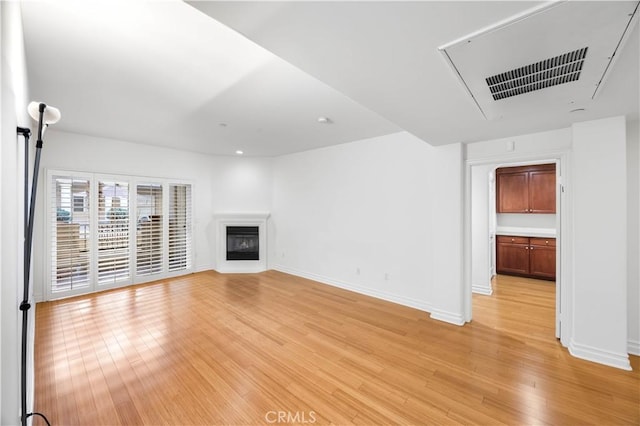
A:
549	72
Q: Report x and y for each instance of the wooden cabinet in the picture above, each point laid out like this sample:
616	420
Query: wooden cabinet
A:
542	258
512	255
524	256
526	189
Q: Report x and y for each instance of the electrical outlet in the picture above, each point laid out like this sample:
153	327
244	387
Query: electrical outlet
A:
386	276
357	271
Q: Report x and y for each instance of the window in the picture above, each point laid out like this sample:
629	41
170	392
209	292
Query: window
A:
113	232
70	234
149	247
79	203
179	227
110	231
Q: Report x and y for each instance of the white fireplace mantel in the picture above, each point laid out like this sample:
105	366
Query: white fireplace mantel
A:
224	219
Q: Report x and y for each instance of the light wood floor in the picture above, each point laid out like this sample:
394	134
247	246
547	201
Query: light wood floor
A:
268	348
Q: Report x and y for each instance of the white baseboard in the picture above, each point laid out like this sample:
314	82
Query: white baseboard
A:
480	289
451	318
203	267
389	297
239	270
633	347
600	356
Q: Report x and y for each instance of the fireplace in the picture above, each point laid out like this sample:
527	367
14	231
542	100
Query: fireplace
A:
243	243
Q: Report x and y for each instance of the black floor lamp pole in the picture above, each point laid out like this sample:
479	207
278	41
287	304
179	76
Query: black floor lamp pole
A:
26	133
28	243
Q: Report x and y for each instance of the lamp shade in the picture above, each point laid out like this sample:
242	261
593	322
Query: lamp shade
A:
51	114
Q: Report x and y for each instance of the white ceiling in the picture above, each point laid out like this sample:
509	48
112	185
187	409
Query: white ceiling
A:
163	73
385	56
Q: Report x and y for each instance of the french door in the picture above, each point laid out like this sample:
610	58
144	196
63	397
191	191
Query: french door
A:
109	231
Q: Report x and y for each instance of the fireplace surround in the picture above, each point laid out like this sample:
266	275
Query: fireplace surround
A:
241	242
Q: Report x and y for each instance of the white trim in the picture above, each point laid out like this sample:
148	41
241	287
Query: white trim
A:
615	56
224	219
382	295
590	353
450	317
564	294
242	215
204	267
482	289
633	347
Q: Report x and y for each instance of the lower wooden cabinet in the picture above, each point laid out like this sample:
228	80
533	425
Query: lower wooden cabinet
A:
542	258
525	256
512	255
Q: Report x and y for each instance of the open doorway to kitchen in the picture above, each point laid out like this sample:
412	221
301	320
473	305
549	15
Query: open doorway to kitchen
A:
514	263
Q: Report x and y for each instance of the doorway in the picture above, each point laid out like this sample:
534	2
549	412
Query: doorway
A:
481	232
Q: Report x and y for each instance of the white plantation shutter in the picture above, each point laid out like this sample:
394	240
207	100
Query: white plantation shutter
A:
113	232
179	227
70	233
106	231
149	232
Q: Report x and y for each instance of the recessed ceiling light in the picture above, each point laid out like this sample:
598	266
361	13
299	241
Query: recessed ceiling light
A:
324	120
578	110
239	152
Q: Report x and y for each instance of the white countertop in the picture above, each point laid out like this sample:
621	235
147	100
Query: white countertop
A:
526	232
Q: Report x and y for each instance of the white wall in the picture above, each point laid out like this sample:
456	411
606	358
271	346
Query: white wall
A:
480	221
219	183
359	216
633	217
600	242
530	144
2	127
14	101
448	299
597	275
546	221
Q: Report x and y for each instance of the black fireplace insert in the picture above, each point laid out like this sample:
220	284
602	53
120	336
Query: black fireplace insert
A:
243	243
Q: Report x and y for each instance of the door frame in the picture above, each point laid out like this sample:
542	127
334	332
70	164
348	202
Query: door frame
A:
564	288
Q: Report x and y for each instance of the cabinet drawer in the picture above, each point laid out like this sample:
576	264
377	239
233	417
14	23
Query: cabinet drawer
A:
551	242
511	239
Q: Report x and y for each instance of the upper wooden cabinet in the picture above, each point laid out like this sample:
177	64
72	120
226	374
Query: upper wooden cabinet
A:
526	189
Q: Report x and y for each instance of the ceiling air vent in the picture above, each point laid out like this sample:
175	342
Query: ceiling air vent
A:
549	72
491	63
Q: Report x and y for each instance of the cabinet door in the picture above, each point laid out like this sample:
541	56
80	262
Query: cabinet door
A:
512	190
542	258
542	191
512	258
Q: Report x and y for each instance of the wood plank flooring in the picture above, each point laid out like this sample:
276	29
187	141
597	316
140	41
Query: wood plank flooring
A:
273	348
